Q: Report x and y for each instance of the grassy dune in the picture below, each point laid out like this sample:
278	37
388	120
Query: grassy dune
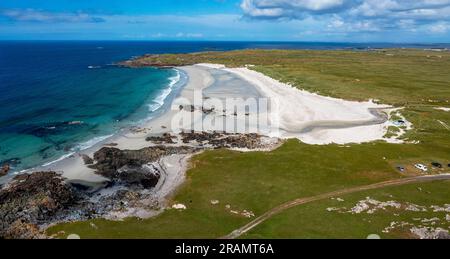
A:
415	79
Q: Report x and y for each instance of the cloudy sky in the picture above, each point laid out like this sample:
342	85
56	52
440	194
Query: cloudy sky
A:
272	20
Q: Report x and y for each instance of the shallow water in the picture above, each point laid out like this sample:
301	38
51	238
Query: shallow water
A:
61	100
229	85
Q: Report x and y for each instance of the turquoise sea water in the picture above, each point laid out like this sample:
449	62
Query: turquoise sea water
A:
57	104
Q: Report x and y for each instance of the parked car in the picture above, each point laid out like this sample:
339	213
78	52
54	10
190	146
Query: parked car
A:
400	123
400	168
421	167
436	164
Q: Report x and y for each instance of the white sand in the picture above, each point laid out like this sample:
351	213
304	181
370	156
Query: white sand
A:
174	169
294	110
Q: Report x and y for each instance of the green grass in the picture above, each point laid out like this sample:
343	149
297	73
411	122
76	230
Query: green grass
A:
408	77
392	131
314	221
260	181
257	182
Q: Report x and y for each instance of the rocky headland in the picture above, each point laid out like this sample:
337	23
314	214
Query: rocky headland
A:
32	202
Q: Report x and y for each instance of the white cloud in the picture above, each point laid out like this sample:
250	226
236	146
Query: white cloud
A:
336	22
440	28
32	15
402	9
289	8
368	15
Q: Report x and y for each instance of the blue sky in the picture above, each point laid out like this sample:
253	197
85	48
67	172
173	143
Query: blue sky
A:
265	20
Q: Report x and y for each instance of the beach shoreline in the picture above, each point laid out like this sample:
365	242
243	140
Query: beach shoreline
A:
157	150
309	117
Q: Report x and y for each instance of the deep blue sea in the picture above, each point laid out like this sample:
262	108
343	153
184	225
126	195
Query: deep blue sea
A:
59	97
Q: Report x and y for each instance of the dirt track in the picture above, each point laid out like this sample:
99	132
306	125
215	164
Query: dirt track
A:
239	232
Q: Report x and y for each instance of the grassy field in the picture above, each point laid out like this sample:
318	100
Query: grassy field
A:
394	76
314	221
414	79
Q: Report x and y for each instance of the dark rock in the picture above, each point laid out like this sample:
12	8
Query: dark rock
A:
224	140
13	162
4	170
443	235
127	165
145	177
30	200
207	111
165	138
87	160
20	229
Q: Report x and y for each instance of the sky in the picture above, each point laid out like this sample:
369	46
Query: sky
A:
397	21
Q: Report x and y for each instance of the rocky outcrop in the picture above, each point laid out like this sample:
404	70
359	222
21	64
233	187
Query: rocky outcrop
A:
131	166
166	138
8	165
144	176
4	170
30	200
87	160
224	140
21	229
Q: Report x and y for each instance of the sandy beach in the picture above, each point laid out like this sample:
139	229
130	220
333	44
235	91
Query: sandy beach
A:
292	113
218	107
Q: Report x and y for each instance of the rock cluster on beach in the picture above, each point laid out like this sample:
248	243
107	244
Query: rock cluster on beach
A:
166	138
33	201
7	165
30	200
129	166
213	140
224	140
4	170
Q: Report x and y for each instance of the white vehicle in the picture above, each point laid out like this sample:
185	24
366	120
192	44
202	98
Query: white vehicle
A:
422	167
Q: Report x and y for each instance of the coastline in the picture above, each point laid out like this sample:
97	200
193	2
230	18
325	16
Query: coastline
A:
150	180
319	119
153	151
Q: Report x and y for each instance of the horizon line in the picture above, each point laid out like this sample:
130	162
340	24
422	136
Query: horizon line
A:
231	41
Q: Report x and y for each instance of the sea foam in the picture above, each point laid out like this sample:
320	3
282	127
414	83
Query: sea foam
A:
92	142
158	102
80	147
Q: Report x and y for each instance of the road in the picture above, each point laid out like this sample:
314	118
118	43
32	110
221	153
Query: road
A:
239	232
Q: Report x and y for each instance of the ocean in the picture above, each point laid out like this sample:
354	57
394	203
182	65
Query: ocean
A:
59	97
